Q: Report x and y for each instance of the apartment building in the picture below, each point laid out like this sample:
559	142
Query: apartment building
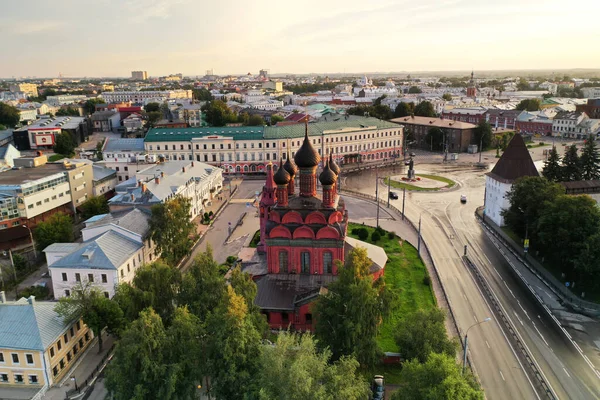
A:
139	75
114	246
30	89
125	156
458	135
37	348
42	133
139	96
247	149
104	181
575	125
158	183
65	99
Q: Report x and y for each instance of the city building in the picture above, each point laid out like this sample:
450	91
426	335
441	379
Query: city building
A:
303	236
591	108
37	348
65	99
248	149
104	181
470	115
125	156
27	115
458	135
139	75
472	88
42	133
140	97
514	163
106	121
163	181
114	246
276	86
7	155
534	122
133	122
568	123
498	118
30	89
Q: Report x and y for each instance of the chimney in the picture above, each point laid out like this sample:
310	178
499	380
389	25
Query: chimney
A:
2	297
31	300
156	180
143	188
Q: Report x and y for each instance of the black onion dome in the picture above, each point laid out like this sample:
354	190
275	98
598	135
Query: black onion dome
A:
290	167
327	177
282	177
332	164
307	156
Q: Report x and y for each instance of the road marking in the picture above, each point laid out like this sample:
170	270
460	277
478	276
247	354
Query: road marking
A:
566	372
465	296
476	320
527	315
488	345
502	375
540	333
518	317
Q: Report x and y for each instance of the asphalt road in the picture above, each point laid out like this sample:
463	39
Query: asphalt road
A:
447	226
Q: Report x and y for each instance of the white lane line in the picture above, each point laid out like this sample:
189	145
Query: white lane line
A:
497	272
566	372
488	345
527	315
518	317
502	375
465	296
540	333
476	320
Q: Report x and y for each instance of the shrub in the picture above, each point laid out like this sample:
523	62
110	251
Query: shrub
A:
391	235
380	231
40	292
210	214
542	144
363	234
354	231
426	280
529	146
375	236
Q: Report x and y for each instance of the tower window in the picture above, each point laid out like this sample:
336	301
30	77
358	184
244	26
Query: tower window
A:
327	262
283	262
305	262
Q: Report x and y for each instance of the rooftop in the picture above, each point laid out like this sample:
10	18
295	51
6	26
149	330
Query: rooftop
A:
20	176
102	115
134	219
437	122
100	172
56	122
123	144
514	163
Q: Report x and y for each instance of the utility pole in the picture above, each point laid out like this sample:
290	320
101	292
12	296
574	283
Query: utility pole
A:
377	192
480	148
419	239
388	183
403	201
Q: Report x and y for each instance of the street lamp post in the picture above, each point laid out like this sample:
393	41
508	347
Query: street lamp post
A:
467	342
419	238
377	192
75	381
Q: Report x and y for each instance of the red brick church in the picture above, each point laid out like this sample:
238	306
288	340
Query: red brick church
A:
302	234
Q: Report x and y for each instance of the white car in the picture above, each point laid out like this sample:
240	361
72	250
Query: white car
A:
463	199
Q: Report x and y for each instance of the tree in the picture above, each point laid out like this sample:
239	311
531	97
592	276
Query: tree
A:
90	105
568	221
414	90
171	229
348	316
95	205
552	169
97	311
590	160
67	112
527	198
571	165
138	369
295	369
425	109
276	118
483	135
152	107
57	228
64	144
243	285
435	138
447	96
404	109
439	378
232	348
529	105
99	147
218	114
256	120
423	332
154	117
202	94
587	266
9	115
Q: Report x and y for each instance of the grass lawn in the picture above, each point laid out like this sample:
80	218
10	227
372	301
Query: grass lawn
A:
255	239
404	274
55	157
401	185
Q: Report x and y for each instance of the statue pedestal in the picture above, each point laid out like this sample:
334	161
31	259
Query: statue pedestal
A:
411	174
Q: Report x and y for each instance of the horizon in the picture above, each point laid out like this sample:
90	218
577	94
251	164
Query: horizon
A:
112	38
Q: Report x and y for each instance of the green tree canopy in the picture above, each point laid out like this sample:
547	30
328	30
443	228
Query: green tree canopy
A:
218	114
423	332
349	315
483	135
256	120
571	165
414	90
64	144
435	139
97	311
529	105
439	378
202	94
404	109
552	169
9	115
57	228
295	369
154	117
447	96
276	118
90	105
425	109
151	107
171	229
95	205
67	112
590	160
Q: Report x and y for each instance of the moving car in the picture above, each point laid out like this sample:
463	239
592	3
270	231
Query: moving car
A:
378	387
393	195
463	199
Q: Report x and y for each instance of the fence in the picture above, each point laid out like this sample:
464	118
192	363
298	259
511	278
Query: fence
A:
541	273
91	377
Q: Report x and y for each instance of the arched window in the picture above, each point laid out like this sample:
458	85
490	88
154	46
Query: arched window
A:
305	262
283	262
327	262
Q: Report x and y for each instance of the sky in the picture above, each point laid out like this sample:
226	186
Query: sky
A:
113	37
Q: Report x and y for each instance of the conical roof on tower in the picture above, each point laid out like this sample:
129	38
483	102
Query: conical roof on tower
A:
289	166
282	177
333	165
514	163
307	156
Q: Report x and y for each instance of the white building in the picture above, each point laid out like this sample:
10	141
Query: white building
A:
140	97
7	154
565	123
267	105
28	115
114	246
63	99
591	92
126	156
133	122
105	179
163	181
515	163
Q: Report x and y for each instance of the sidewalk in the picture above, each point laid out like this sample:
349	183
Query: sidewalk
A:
83	369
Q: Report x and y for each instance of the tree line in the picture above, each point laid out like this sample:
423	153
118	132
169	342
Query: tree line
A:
572	166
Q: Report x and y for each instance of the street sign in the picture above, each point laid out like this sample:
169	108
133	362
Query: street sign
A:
567	284
526	245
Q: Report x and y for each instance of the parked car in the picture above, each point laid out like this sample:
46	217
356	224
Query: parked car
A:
393	195
378	387
463	199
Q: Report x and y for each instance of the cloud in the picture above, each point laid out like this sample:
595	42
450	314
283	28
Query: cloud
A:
143	10
17	29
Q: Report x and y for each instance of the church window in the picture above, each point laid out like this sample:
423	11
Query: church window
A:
283	262
327	262
305	262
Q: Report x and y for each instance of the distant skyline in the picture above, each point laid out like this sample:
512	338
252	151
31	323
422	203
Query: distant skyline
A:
111	38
